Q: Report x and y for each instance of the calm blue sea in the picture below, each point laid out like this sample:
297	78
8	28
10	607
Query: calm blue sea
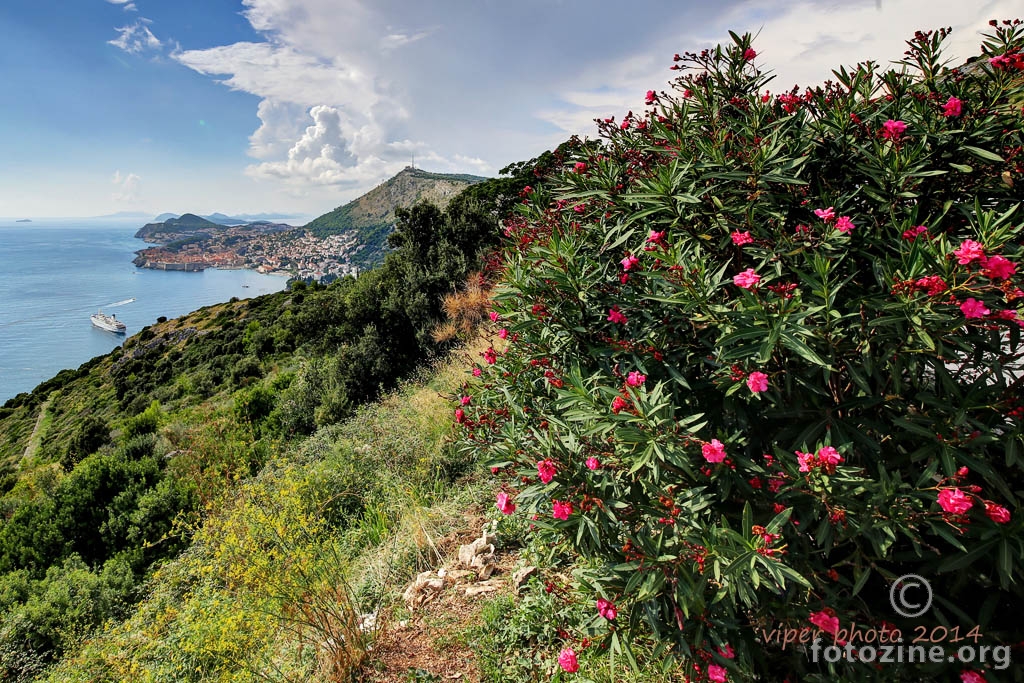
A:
53	276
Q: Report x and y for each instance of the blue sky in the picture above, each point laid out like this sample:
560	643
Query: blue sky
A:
300	105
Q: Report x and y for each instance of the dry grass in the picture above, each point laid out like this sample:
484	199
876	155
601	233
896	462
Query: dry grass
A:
465	310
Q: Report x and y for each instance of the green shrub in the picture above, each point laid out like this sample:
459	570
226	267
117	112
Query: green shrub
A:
763	358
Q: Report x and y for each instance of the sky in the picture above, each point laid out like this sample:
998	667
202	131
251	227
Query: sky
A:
298	106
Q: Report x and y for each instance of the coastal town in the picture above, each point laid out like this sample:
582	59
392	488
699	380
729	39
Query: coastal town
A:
273	248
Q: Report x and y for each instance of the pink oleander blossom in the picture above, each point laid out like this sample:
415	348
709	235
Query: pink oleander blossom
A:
825	621
635	379
717	674
911	234
567	660
827	215
970	676
615	316
477	372
892	130
494	316
748	279
828	458
546	470
606	609
593	463
727	652
998	268
954	501
757	382
953	107
844	224
651	97
619	403
749	54
969	251
505	504
713	452
972	308
561	509
997	513
465	400
630	262
741	238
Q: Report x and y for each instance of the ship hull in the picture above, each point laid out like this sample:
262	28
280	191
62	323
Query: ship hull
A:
117	327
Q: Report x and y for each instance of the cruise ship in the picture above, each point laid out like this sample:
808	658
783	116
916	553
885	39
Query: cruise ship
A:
110	323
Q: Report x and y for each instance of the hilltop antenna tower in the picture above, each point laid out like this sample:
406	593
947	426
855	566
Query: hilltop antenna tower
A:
413	161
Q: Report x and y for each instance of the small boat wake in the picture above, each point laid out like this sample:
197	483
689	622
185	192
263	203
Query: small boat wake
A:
120	303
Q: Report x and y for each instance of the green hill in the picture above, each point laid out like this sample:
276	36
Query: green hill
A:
175	228
372	216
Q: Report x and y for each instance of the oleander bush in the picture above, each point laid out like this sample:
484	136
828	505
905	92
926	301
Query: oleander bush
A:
761	354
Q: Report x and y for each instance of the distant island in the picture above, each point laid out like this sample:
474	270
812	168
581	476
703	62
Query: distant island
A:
24	220
339	243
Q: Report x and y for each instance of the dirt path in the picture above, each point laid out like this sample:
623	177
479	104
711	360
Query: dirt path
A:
435	643
33	441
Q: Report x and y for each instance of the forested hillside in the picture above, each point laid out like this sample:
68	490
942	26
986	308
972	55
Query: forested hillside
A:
107	471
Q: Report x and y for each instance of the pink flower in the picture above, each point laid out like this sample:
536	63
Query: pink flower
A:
972	676
748	55
618	403
826	215
503	333
968	251
757	382
954	501
505	504
465	400
630	262
716	673
806	460
932	284
651	97
828	457
606	609
561	509
655	240
593	463
972	308
998	268
546	470
580	167
952	107
494	316
911	234
490	355
727	652
741	238
748	279
614	316
825	621
460	415
844	224
567	660
997	513
635	379
476	372
999	61
801	230
714	451
892	130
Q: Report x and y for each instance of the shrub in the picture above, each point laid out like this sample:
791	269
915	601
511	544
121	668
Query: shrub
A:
764	358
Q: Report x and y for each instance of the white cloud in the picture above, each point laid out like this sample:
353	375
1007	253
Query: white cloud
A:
135	38
126	188
396	40
128	5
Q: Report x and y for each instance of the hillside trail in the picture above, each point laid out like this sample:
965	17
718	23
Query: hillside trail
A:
433	640
32	445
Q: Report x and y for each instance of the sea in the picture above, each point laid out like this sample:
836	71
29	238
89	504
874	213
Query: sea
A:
55	274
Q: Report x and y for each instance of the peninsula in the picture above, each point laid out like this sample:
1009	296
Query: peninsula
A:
342	242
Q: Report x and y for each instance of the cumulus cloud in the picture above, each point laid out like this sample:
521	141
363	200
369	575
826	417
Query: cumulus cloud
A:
393	41
135	38
126	188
